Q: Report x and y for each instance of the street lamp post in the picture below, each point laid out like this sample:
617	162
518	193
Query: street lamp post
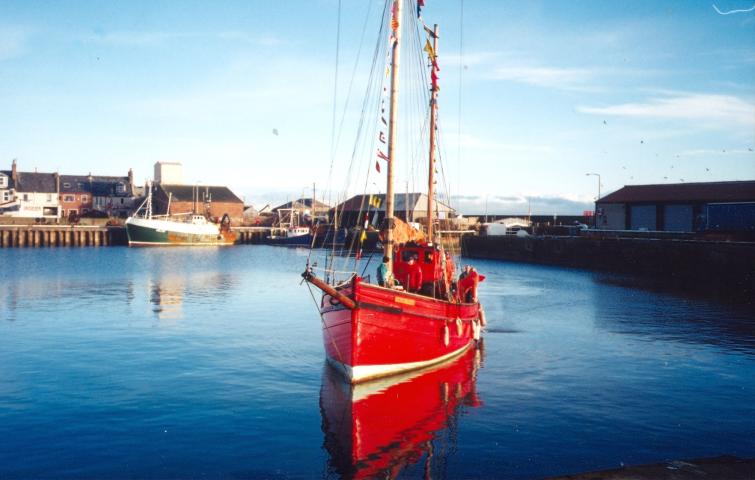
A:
595	221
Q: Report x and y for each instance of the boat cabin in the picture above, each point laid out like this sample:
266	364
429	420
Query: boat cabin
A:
432	260
297	231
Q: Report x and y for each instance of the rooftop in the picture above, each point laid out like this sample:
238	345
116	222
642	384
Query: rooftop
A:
738	191
186	193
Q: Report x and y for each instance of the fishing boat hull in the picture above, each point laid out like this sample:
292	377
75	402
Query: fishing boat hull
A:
149	232
390	331
297	241
375	429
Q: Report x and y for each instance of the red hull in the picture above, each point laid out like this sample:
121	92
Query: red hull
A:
392	331
375	429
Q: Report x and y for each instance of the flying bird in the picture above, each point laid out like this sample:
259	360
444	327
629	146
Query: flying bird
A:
275	132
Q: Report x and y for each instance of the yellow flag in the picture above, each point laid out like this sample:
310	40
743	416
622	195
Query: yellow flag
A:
429	49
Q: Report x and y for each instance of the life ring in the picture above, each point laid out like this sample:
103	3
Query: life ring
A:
445	335
458	326
482	317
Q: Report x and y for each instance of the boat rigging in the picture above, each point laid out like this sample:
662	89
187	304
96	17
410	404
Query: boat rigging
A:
419	314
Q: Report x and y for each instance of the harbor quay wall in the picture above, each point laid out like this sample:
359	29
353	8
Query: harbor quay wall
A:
61	236
94	236
716	265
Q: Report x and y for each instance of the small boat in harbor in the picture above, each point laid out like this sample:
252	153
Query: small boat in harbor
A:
145	229
418	313
293	233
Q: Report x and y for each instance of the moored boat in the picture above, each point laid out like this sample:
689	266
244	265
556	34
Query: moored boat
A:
418	314
146	229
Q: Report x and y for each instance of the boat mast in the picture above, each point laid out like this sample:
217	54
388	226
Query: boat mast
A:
433	113
396	49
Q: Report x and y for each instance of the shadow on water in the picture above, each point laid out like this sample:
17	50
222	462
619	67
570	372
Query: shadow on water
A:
711	288
663	311
381	428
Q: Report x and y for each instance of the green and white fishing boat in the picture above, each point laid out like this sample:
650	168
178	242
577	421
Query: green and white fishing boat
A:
145	229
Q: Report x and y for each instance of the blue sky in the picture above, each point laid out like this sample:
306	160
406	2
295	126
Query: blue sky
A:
640	92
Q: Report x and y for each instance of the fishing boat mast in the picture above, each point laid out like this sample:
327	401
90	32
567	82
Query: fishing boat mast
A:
392	127
433	113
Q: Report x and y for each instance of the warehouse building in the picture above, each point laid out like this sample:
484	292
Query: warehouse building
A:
680	207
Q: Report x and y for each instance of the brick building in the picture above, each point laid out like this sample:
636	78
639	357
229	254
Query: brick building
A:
75	196
213	201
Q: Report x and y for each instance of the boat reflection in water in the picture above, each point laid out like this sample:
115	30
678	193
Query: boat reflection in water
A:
377	428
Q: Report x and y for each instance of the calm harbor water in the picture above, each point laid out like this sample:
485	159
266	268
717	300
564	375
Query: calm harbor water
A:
164	363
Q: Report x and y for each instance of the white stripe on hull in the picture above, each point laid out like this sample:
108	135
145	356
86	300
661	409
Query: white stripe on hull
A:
361	373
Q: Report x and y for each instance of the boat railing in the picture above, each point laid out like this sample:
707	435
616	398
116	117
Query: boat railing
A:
336	278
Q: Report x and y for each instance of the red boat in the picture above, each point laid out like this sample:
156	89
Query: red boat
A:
375	429
371	331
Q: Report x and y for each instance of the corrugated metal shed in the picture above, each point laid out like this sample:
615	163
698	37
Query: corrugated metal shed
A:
704	192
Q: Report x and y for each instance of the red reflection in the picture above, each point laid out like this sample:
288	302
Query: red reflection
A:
375	429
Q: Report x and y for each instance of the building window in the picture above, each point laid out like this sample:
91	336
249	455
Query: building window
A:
120	188
84	198
66	185
3	181
6	196
69	198
26	197
49	197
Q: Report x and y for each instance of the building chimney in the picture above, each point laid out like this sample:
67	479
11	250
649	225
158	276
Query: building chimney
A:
14	172
56	175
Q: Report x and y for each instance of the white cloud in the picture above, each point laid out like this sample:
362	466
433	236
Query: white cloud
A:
521	204
724	109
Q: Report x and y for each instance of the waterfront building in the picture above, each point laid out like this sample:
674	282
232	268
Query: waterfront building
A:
112	195
680	207
29	194
307	206
409	207
75	196
213	201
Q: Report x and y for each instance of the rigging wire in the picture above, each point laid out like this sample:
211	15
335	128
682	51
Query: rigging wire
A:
461	81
